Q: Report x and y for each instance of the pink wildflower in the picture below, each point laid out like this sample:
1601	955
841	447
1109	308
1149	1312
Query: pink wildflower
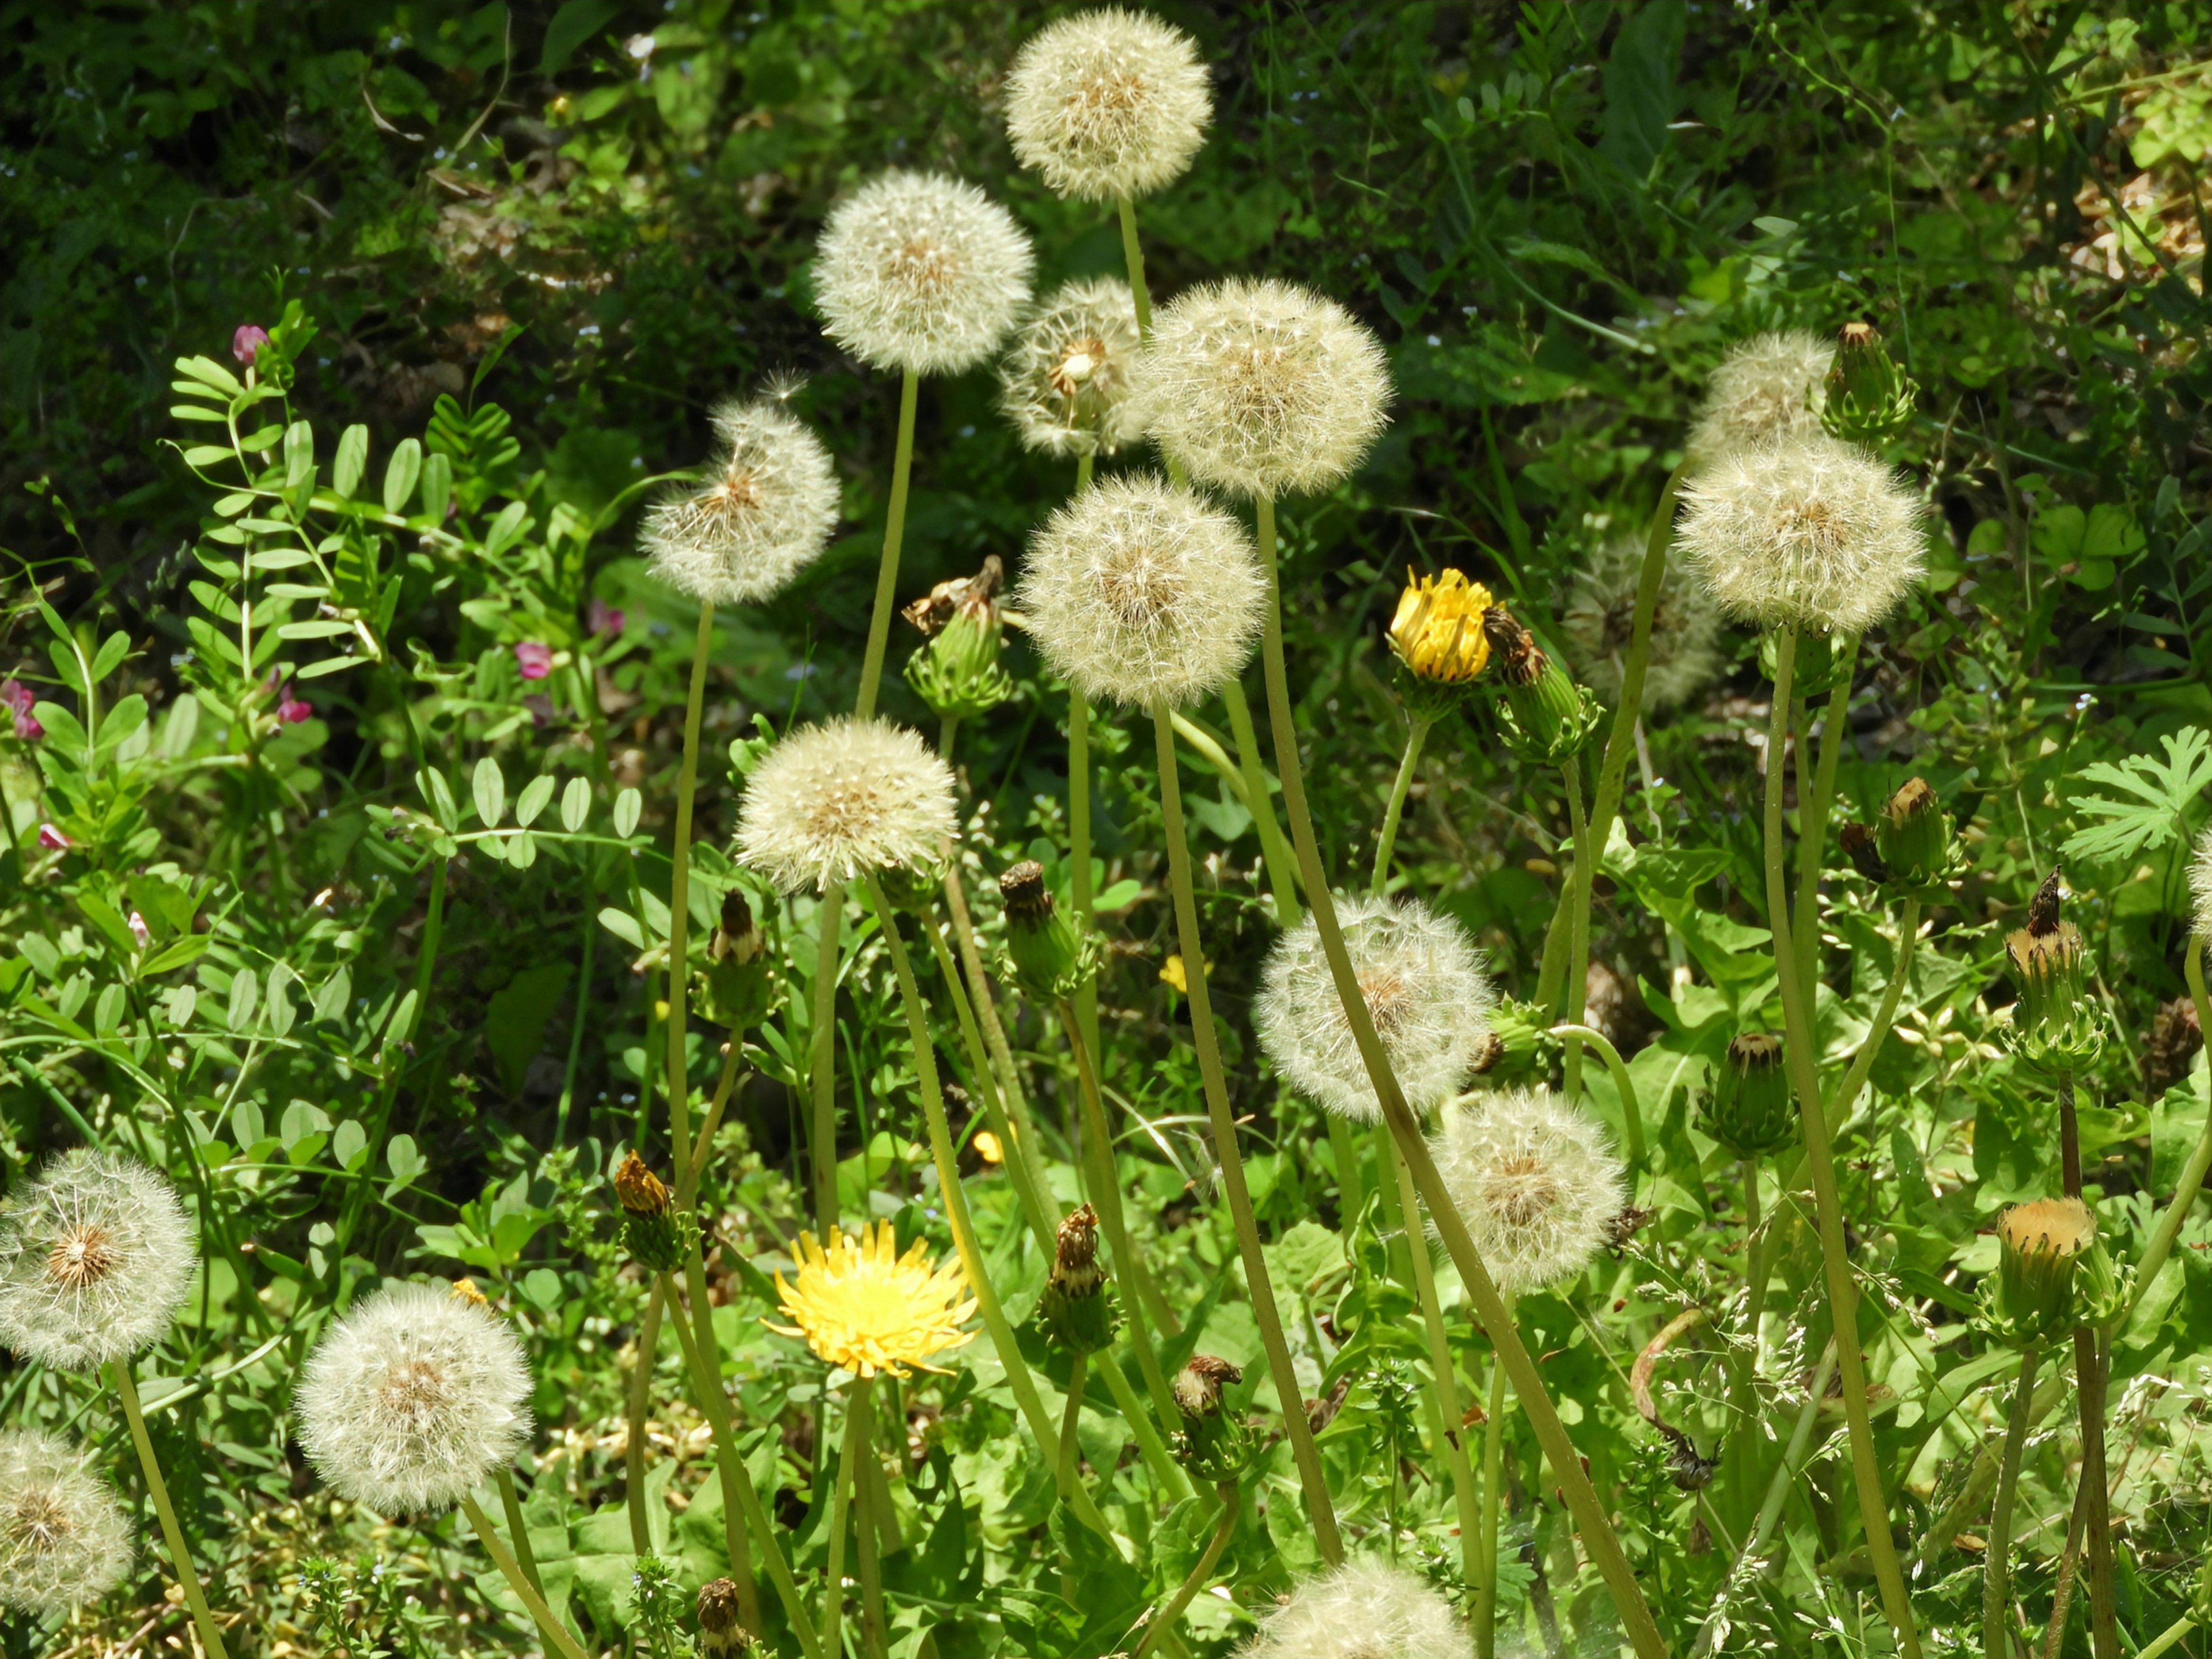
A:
249	339
534	659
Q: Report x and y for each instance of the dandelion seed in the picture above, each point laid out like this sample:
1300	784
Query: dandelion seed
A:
1425	989
1768	389
1535	1183
1108	103
1065	384
96	1255
860	1305
1363	1609
63	1538
1598	624
765	516
833	802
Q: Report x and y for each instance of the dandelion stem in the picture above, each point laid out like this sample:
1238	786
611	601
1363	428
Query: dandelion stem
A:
879	620
1632	1111
1079	850
1320	1508
2089	1394
2167	1637
1282	868
1585	874
1444	1388
1814	807
861	1452
679	897
181	1554
1493	1469
1071	1452
1996	1574
1885	1015
828	963
1163	1622
1417	733
1490	1309
841	1500
1743	1405
2199	1156
512	1506
641	1399
1350	1197
1842	1293
688	1172
556	1633
1133	256
986	1010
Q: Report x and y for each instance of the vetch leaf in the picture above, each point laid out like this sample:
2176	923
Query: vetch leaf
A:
576	806
352	459
400	474
489	786
532	802
629	806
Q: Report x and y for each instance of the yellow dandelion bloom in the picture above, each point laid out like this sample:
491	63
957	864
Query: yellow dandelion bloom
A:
862	1306
1438	632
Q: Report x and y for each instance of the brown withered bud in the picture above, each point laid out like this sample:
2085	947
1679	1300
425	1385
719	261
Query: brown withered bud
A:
2043	908
1197	1387
721	1631
938	606
1489	1052
1023	890
1075	1267
737	937
1858	844
638	1191
2172	1043
1513	649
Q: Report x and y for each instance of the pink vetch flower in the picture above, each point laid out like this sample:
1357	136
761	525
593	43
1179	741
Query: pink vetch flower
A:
140	931
535	661
18	698
292	710
53	839
603	618
249	339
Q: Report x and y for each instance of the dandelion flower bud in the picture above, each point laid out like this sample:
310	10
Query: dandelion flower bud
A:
1811	534
861	1305
1046	954
722	1633
1437	637
2057	1024
1868	397
1749	1110
2039	1246
1263	388
740	987
1598	629
1141	592
411	1401
920	272
1366	1608
763	516
1076	1312
96	1255
1544	714
63	1538
1769	389
1065	384
833	802
1213	1442
652	1232
1108	103
1425	991
957	671
1535	1183
1913	834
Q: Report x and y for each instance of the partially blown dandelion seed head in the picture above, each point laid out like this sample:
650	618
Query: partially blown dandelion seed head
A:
1140	591
764	515
2200	884
1424	988
63	1538
833	802
413	1399
1599	622
859	1304
1108	103
96	1255
1262	387
1364	1609
920	272
1065	384
1534	1181
1813	534
1768	389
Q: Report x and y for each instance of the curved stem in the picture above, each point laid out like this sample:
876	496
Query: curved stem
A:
2199	1156
822	1142
1493	1475
1996	1569
1018	1148
1214	756
557	1634
1164	1621
1282	869
1885	1015
689	1171
173	1534
987	1008
679	898
704	1355
1417	733
1167	1474
1133	256
1444	1385
1631	1112
880	619
512	1506
1585	875
641	1402
1320	1507
2167	1637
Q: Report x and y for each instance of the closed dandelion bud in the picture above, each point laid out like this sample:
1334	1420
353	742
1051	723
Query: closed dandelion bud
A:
2056	1024
1914	835
1438	640
722	1631
1076	1312
1748	1110
652	1232
1869	397
1546	715
1212	1444
1045	954
2039	1246
1519	1047
739	987
957	673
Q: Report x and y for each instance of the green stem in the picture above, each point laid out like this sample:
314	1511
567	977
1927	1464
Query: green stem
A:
1443	1386
1321	1511
875	1626
1996	1568
1351	1195
2167	1637
880	619
1078	852
840	1516
1491	1309
557	1635
1812	811
1133	256
1493	1472
1417	733
1584	875
1071	1451
2199	1156
679	896
640	1398
689	1171
1743	1401
1214	756
822	1148
1842	1293
986	1010
1631	1112
2089	1396
1164	1621
1885	1015
1282	868
181	1554
1167	1474
512	1504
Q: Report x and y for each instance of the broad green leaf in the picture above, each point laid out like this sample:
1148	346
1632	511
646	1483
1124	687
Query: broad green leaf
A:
400	474
245	994
2152	800
352	459
630	805
532	802
576	806
350	1145
489	786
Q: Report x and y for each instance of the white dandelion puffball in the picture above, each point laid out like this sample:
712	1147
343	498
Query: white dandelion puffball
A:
1108	103
1142	591
96	1255
2200	884
1065	384
1534	1181
1363	1609
1424	988
1813	534
921	272
1768	389
764	515
1263	388
1599	626
413	1399
836	801
63	1538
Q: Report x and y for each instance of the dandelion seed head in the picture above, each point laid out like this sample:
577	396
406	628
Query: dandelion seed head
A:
1262	388
1364	1609
764	515
920	272
1768	389
1425	990
1599	622
833	802
96	1255
1140	591
411	1401
1811	533
1065	384
1536	1182
1108	103
63	1538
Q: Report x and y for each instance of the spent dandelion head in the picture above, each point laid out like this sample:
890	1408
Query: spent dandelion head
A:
763	515
1108	103
1141	592
1811	534
1262	388
1535	1183
1598	624
96	1255
833	802
920	272
1065	384
1768	389
863	1307
63	1538
411	1401
1424	988
1366	1608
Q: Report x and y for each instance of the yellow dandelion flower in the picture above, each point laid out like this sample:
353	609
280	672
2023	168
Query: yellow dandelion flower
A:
860	1305
1438	632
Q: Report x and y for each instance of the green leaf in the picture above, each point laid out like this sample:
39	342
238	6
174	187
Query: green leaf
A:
507	529
576	806
488	784
629	806
2154	796
400	474
349	1146
532	802
208	372
576	22
352	459
403	1160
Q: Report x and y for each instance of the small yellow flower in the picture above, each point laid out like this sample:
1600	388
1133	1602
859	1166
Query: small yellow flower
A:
860	1305
988	1147
1171	974
1438	632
